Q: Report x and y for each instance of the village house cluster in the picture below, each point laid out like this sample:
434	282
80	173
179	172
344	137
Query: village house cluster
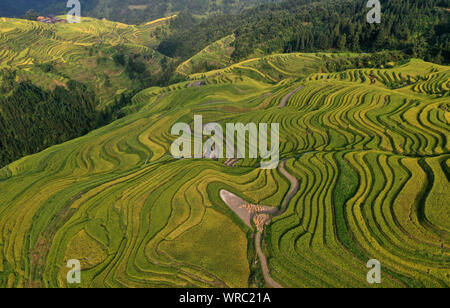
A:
51	19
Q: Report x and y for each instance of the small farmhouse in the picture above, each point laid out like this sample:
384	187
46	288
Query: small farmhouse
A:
51	19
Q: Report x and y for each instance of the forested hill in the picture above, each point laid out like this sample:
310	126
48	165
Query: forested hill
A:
419	28
132	11
32	119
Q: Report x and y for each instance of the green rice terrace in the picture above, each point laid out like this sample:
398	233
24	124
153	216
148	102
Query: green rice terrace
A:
364	175
51	54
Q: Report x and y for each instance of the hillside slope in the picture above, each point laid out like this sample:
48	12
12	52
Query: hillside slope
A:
50	55
418	28
66	79
371	159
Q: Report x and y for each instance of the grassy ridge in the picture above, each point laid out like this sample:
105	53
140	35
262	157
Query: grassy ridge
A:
371	160
215	56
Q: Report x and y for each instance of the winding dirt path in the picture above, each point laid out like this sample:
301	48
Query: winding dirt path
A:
265	268
295	186
234	202
287	97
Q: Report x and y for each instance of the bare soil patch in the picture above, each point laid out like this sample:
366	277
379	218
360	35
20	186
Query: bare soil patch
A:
287	97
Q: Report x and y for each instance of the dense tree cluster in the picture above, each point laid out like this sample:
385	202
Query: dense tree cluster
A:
419	28
32	119
385	59
31	15
137	70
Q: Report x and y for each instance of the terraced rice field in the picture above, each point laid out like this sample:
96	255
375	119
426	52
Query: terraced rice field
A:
270	69
74	51
372	165
217	54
